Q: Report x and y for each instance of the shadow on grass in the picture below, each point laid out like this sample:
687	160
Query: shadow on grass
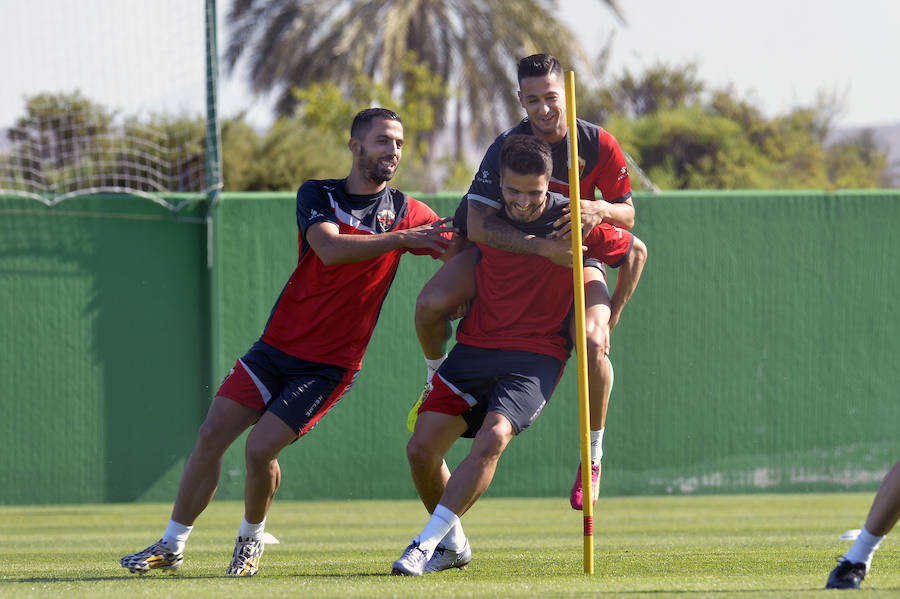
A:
618	593
175	577
594	592
48	579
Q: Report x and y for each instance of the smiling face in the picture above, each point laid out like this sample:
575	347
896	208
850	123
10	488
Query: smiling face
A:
544	100
378	153
524	196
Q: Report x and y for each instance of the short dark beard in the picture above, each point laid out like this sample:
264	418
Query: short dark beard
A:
373	169
537	209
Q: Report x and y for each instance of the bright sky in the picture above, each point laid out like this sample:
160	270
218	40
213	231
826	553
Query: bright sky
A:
128	54
778	53
782	53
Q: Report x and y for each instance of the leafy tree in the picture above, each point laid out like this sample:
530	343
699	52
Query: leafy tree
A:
293	151
684	148
66	143
469	45
324	113
57	132
159	153
858	162
658	88
687	137
240	149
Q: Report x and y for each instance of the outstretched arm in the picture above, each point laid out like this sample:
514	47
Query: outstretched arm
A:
332	247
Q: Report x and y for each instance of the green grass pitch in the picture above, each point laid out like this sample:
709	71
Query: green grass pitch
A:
681	546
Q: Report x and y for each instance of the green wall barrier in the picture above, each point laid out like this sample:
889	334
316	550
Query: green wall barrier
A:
106	363
759	352
756	355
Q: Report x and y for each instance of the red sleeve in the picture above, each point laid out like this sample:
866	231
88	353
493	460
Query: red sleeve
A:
612	177
608	244
420	213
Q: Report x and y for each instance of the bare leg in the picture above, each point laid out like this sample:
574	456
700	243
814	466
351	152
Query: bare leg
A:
474	474
450	287
224	423
599	373
434	434
885	510
265	442
883	515
597	334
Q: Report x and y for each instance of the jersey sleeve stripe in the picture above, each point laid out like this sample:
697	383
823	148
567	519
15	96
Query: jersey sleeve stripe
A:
484	200
621	200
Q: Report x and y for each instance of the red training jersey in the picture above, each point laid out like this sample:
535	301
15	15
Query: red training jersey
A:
601	167
524	300
326	314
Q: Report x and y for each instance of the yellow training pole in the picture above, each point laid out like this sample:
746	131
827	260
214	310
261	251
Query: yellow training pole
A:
580	338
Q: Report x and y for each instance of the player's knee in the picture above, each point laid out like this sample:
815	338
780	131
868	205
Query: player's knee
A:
430	307
210	442
491	443
260	454
421	455
596	354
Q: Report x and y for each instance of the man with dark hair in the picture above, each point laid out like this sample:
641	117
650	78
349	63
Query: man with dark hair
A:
353	232
480	217
510	352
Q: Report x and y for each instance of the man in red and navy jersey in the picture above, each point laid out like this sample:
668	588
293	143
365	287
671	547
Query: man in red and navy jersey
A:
353	232
602	169
510	352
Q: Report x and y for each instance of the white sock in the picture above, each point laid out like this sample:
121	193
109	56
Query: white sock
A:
455	539
597	446
252	531
176	536
863	548
442	520
433	365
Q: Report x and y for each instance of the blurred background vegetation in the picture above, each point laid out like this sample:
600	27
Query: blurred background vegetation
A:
448	68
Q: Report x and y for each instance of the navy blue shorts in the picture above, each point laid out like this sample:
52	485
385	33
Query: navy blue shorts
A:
473	381
297	391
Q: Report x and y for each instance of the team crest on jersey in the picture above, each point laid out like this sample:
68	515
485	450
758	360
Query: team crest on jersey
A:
581	164
386	219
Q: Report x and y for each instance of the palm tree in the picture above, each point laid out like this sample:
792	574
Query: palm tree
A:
472	44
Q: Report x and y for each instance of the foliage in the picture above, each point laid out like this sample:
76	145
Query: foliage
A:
66	142
687	137
312	143
472	45
683	135
858	162
660	87
240	148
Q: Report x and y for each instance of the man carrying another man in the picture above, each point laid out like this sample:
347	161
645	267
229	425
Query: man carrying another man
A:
601	168
512	346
